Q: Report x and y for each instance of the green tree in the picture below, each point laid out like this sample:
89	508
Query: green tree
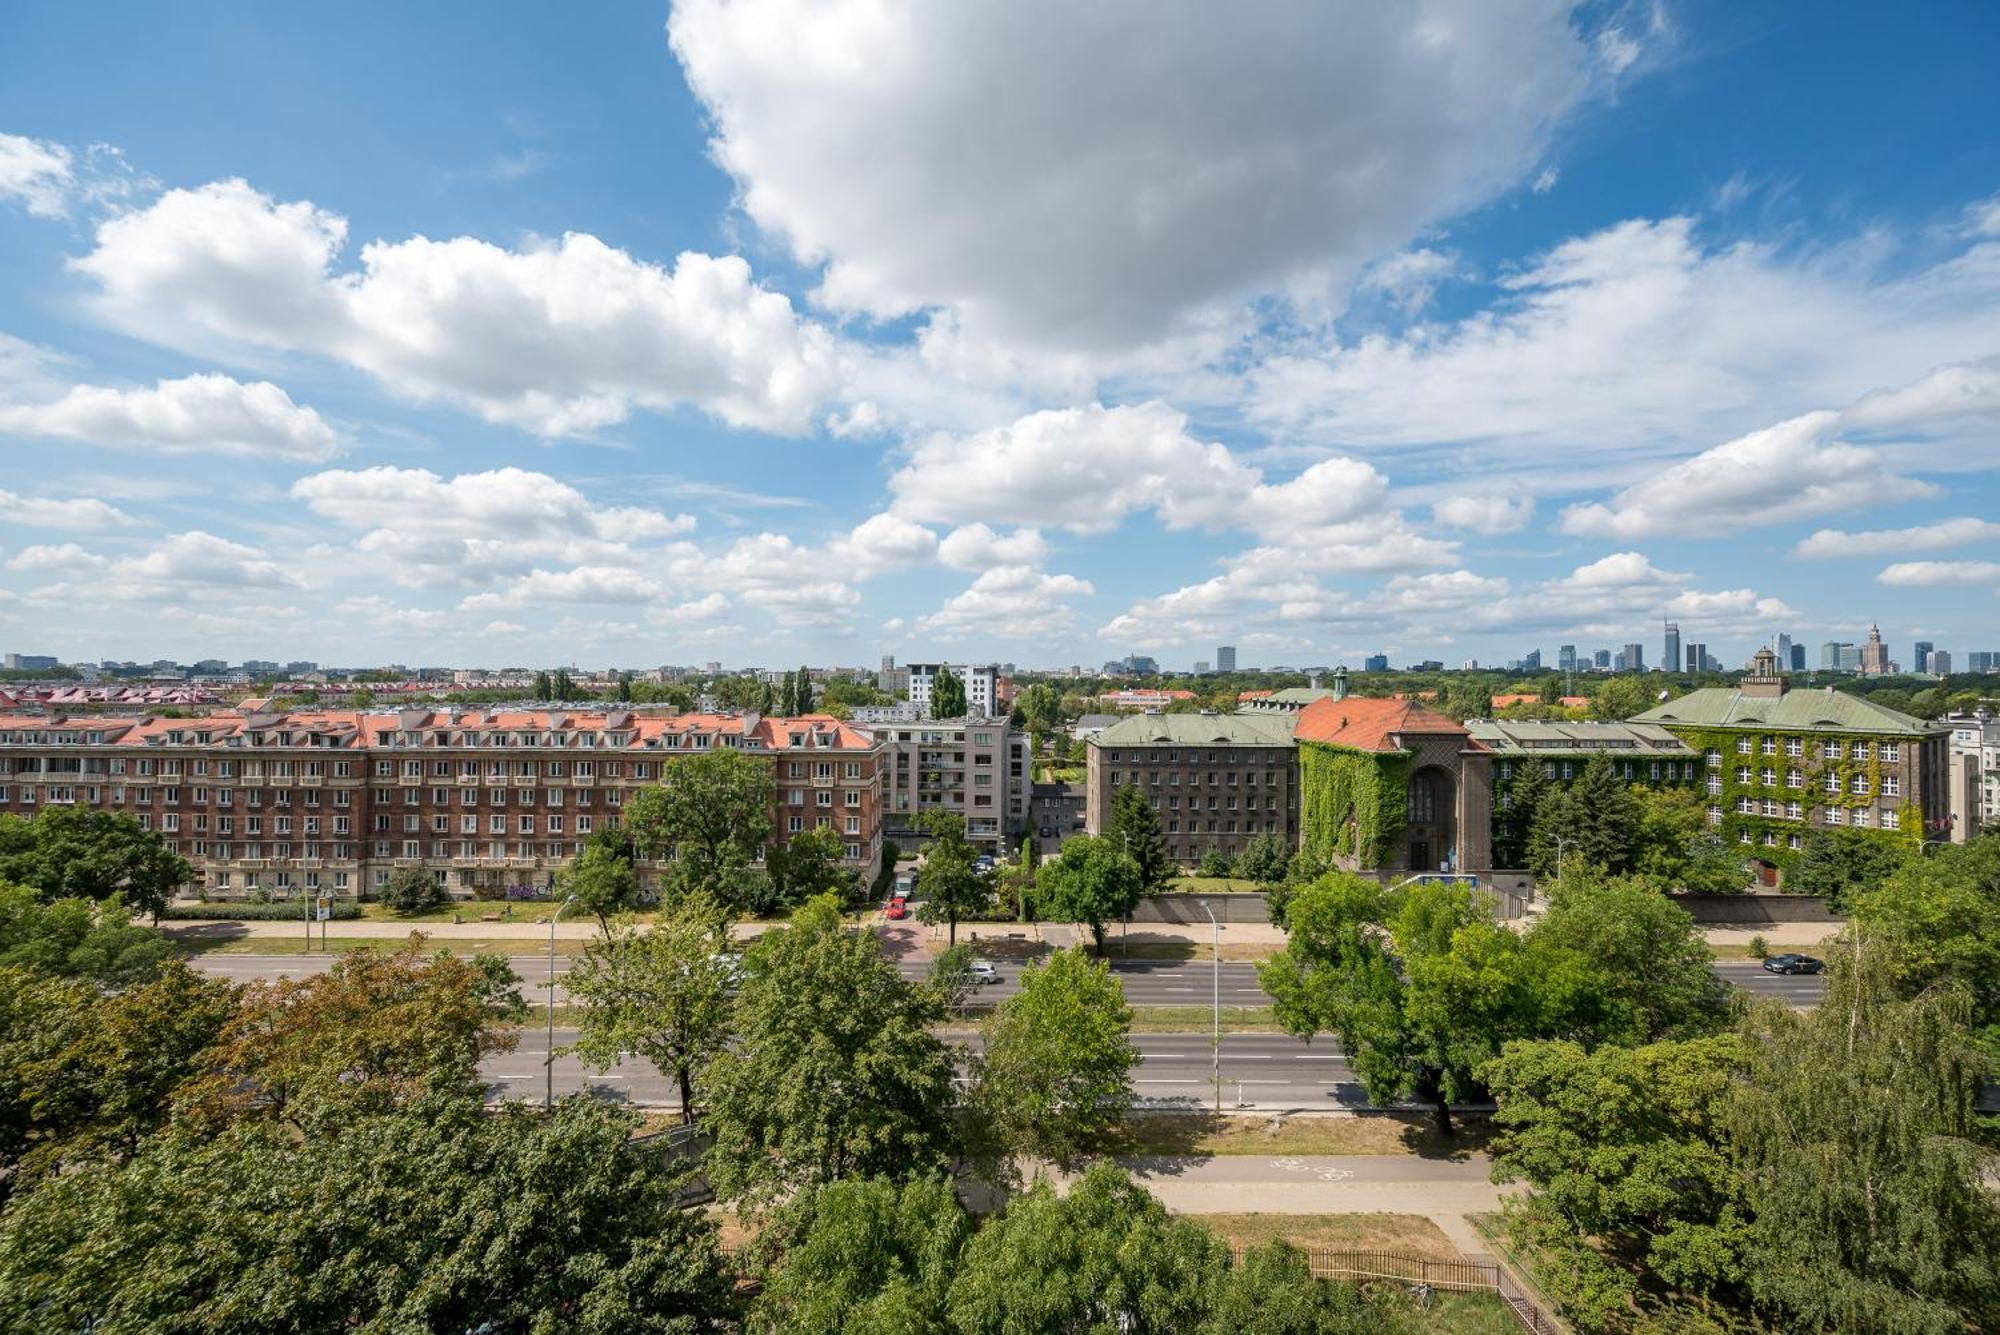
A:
88	1074
75	852
1622	697
1855	1132
1093	880
76	938
1105	1258
1615	961
949	886
867	1256
810	863
1940	917
413	890
1041	703
1842	864
601	880
1418	989
1514	821
1265	859
1590	821
1055	1076
802	693
947	695
442	1217
1626	1153
1216	864
1273	1292
376	1032
661	994
1135	827
543	688
837	1073
711	814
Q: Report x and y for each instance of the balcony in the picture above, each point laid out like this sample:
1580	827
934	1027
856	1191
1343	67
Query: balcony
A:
311	780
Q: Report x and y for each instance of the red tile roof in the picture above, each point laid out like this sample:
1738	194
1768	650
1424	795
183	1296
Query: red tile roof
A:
1369	724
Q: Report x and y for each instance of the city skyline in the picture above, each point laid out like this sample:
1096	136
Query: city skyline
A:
757	358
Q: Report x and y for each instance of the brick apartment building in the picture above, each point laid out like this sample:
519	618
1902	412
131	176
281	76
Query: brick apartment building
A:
331	802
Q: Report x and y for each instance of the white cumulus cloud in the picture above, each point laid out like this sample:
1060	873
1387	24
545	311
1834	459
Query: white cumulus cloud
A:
197	414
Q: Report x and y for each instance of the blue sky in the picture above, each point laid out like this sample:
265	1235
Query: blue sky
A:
769	332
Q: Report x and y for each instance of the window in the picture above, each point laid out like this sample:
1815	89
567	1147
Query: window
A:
1769	778
1859	784
1794	779
1861	816
1892	819
1769	746
1860	750
1830	751
1742	746
1889	753
1795	842
1836	815
1794	811
1833	783
1892	785
1794	747
1743	775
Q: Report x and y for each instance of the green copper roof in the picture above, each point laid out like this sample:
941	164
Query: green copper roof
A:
1199	730
1622	741
1795	711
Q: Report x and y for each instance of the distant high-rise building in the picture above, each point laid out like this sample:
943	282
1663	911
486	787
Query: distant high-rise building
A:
1781	648
1200	667
1532	661
1941	662
1635	658
1602	658
1697	654
1920	656
1839	656
1672	658
1566	658
1225	658
981	683
30	662
1375	663
1874	654
1980	661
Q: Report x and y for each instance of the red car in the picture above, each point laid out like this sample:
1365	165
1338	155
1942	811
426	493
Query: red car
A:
897	908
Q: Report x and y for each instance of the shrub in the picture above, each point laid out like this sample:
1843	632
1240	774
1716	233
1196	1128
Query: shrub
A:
294	911
413	890
1759	948
1216	863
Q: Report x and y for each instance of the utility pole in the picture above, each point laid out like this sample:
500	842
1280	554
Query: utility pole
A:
1215	1040
549	1053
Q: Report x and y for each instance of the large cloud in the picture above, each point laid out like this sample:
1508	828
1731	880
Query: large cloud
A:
1096	175
197	414
1789	471
558	337
77	514
1086	469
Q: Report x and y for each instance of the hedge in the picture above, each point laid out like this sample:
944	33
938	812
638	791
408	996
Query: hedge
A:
343	910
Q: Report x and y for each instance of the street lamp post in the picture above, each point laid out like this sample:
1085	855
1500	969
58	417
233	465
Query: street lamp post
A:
1561	844
1215	1041
549	1053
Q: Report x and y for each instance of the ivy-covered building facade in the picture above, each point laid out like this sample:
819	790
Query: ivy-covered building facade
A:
1778	764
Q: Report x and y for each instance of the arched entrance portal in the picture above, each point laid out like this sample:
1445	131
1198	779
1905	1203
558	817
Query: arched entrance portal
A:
1432	820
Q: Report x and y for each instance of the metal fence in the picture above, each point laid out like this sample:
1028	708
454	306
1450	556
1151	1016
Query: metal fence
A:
1461	1276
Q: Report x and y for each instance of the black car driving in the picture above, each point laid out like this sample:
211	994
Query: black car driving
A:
1792	964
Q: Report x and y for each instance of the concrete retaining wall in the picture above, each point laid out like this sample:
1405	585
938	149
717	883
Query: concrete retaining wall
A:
1757	910
1186	909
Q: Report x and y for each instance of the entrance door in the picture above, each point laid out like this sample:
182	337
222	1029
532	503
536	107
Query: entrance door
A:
1420	855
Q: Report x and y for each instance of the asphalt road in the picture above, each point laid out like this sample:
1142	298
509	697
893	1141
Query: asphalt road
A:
1147	982
1260	1070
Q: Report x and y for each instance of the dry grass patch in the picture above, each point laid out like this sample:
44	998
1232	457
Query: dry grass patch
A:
457	945
1247	952
1402	1234
1355	1133
1199	1020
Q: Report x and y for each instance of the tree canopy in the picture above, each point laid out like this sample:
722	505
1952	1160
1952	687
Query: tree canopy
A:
1134	827
1093	881
1054	1078
947	695
76	852
836	1073
711	815
949	885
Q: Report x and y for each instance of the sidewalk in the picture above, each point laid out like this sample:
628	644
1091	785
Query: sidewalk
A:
1058	934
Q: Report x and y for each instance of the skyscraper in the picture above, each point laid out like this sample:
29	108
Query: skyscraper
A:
1602	658
1798	658
1566	658
1375	663
1635	658
1225	658
1874	654
1671	659
1697	656
1782	649
1920	654
1941	662
1533	660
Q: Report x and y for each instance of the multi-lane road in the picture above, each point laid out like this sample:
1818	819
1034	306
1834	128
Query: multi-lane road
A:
1147	982
1258	1070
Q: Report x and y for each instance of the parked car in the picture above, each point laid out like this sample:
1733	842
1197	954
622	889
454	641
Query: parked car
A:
1048	832
898	908
982	973
1792	964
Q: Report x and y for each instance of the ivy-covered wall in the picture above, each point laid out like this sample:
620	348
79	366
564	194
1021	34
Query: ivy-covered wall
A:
1815	767
1353	804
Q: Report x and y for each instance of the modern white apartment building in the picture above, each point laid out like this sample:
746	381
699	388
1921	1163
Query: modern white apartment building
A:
1975	773
982	686
977	767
